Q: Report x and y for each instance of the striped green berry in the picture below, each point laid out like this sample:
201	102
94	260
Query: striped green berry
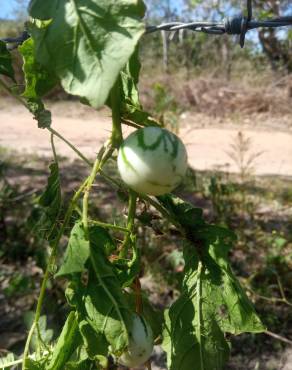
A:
140	344
152	161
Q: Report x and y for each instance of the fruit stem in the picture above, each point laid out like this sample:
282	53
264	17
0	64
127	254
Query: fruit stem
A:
138	296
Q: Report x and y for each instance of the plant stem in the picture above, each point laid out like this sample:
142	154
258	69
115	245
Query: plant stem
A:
148	199
103	155
115	98
50	264
277	336
12	93
108	226
54	148
56	133
26	348
18	362
130	224
199	311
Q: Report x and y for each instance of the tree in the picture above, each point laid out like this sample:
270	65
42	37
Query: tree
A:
277	50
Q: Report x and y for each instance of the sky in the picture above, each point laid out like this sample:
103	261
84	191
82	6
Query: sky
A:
7	8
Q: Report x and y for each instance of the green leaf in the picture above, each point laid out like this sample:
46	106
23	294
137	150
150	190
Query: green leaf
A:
67	343
87	43
211	304
45	333
128	270
43	10
130	79
131	107
6	67
101	303
5	360
38	82
49	206
191	219
185	213
78	250
107	310
34	365
79	365
95	343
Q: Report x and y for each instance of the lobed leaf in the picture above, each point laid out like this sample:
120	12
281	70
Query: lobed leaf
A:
95	343
212	301
101	302
87	43
211	304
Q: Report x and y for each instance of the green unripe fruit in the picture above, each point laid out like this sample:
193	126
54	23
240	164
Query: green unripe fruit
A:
140	344
152	161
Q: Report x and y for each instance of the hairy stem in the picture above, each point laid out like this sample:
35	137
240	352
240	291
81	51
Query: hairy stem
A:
103	155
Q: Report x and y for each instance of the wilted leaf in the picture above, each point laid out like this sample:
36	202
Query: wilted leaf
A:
38	82
49	206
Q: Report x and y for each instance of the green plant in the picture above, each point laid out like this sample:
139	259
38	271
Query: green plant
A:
91	48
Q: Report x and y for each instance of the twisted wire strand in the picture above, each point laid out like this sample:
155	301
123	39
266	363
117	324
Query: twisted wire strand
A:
239	25
230	25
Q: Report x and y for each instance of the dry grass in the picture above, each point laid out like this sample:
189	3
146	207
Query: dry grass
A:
267	93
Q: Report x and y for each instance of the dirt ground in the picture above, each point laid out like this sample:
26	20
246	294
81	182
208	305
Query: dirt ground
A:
208	140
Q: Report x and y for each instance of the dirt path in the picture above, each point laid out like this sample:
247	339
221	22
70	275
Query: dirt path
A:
207	147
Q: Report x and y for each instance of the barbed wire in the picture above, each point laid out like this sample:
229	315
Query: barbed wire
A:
238	25
231	26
